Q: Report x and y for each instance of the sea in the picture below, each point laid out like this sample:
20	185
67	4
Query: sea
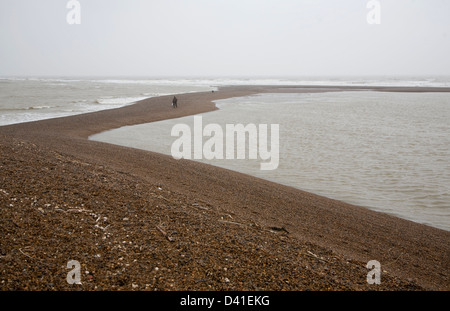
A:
387	151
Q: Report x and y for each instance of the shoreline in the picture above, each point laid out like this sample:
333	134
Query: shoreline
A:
124	136
414	256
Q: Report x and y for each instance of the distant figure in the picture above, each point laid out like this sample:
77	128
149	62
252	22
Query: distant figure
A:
174	102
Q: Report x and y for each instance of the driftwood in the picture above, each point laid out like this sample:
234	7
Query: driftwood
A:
169	238
311	254
232	223
279	229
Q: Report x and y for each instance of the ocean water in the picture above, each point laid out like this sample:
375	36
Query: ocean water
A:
32	99
24	99
386	151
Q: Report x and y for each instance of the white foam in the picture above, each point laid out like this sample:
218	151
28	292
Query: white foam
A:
118	101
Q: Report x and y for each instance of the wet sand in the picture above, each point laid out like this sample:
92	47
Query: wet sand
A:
138	220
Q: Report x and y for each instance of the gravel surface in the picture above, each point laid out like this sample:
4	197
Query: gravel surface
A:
137	220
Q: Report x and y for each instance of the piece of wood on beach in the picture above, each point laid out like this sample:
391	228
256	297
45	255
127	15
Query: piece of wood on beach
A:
169	238
280	229
311	254
232	223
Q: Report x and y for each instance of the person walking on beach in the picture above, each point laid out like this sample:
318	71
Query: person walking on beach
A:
174	102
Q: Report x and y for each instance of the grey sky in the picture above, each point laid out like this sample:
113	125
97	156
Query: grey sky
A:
224	37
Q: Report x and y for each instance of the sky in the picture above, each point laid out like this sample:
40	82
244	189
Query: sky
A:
224	38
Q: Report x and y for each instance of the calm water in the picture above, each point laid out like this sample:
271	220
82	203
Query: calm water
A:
386	151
